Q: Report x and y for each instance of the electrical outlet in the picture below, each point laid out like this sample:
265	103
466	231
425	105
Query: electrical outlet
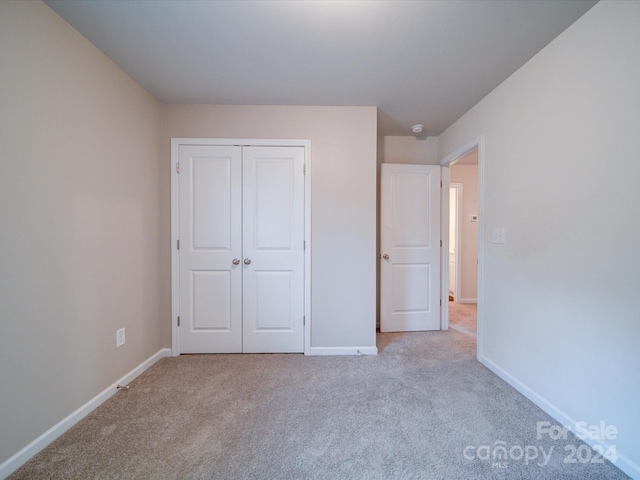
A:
498	235
120	337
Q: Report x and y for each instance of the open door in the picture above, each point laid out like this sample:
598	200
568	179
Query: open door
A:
410	248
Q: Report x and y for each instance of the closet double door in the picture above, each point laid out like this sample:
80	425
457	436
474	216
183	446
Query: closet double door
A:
241	252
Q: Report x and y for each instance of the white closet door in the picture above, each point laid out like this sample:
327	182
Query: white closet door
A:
273	249
210	197
241	249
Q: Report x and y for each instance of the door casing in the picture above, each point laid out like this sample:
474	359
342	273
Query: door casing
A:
175	271
457	287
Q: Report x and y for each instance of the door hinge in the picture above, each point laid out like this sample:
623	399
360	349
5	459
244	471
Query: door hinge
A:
178	244
440	183
440	243
177	168
440	302
304	169
178	320
304	320
304	245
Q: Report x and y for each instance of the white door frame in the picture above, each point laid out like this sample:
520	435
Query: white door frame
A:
476	143
175	259
457	287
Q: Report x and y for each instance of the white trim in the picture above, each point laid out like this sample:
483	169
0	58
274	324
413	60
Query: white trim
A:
476	143
457	288
462	151
468	300
175	224
343	351
175	257
481	220
445	175
307	239
20	458
623	462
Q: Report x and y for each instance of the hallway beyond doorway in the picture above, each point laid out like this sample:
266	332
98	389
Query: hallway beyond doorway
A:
463	318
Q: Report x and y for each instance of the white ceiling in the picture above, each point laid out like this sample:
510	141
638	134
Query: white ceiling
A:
418	61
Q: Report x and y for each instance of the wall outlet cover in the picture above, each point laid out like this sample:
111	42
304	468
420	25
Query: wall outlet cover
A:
120	337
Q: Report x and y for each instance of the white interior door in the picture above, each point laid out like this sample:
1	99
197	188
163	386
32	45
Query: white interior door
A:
273	249
210	196
241	257
410	248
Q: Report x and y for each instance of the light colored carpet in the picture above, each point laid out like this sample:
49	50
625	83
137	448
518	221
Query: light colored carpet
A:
463	318
408	413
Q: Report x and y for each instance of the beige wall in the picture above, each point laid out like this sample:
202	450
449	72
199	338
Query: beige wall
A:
80	211
408	150
467	175
343	213
561	172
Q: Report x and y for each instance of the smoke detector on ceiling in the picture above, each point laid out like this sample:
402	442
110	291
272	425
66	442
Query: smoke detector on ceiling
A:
417	128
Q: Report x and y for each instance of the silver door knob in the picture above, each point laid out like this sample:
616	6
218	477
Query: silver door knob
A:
385	256
236	261
247	261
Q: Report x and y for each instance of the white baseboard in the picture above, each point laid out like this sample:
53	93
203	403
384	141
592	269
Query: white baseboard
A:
623	462
343	351
16	461
468	300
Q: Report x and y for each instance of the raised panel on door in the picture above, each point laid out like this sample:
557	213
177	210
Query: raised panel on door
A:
211	291
410	245
210	238
273	236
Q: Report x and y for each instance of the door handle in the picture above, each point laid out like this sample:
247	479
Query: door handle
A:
236	261
385	256
247	261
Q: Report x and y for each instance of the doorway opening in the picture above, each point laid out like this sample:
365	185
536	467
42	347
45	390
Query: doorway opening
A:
462	305
462	242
